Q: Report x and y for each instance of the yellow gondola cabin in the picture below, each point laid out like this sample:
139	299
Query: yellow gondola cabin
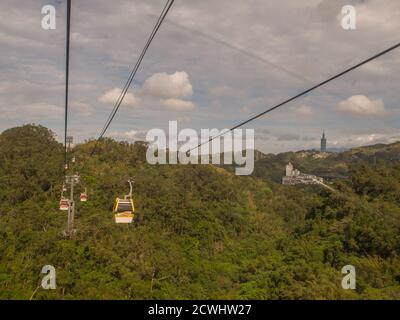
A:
123	210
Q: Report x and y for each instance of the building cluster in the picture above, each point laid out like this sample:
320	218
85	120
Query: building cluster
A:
294	176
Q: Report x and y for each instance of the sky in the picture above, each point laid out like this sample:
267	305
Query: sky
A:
213	64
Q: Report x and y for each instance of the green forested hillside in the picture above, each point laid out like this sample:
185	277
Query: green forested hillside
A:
201	232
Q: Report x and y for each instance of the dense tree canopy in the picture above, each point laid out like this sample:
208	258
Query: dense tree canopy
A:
200	232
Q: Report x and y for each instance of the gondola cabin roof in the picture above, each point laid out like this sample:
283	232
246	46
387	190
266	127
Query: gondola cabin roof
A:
123	205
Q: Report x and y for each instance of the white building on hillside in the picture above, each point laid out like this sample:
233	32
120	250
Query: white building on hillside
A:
294	176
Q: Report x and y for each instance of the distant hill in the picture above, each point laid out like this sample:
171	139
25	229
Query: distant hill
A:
337	150
272	166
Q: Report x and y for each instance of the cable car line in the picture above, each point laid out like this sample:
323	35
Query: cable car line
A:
123	209
133	73
301	94
249	54
157	26
68	204
68	36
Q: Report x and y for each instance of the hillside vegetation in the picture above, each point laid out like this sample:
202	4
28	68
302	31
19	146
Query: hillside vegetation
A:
330	165
200	232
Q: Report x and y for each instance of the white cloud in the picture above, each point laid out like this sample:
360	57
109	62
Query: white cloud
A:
184	119
33	111
287	137
305	110
82	108
375	68
80	39
227	91
168	86
132	135
364	140
110	97
244	109
375	12
267	61
178	104
362	105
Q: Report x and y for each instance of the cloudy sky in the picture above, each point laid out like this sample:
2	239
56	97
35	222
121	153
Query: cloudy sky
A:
213	64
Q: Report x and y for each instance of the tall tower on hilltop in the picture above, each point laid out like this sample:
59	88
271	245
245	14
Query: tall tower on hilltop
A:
323	142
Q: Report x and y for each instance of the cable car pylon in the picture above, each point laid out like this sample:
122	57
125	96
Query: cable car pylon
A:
71	181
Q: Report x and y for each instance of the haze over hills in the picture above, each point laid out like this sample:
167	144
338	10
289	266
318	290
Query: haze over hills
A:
200	231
